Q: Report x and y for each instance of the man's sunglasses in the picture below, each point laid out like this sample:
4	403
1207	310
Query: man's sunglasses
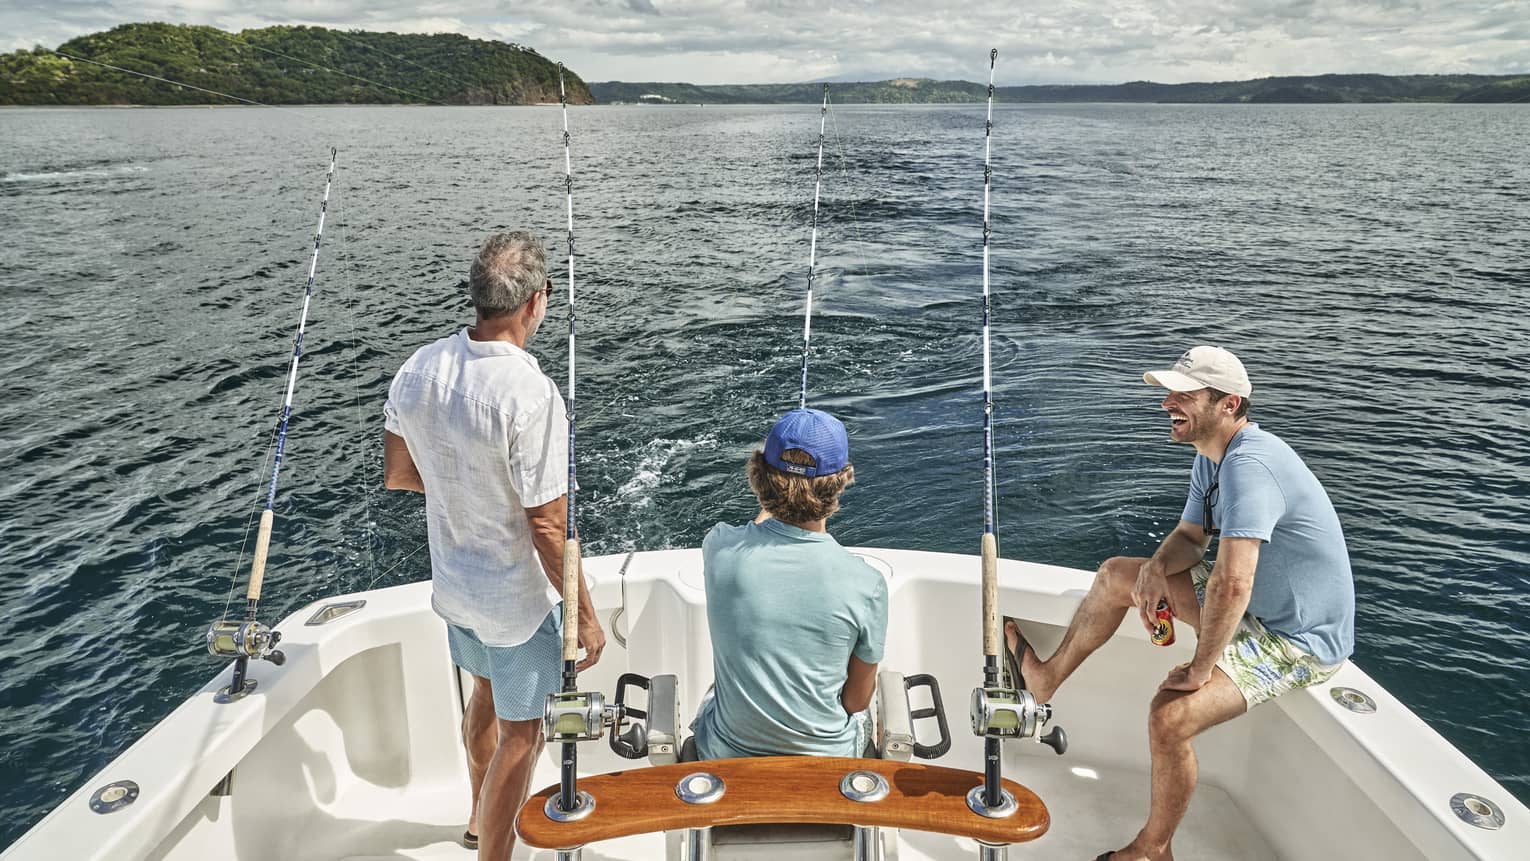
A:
1207	503
548	289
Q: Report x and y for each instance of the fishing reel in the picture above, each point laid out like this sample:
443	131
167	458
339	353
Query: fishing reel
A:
1007	713
227	638
575	717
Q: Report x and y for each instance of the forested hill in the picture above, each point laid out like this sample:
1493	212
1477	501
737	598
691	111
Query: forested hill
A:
282	65
1308	89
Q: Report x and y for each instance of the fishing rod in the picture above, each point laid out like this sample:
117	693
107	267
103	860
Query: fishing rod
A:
572	716
999	711
807	314
249	638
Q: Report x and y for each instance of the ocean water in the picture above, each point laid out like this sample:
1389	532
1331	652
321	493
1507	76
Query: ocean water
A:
1368	262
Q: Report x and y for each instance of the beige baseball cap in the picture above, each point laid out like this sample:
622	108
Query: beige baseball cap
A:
1204	368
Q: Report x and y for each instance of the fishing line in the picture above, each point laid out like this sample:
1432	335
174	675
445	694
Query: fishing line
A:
182	84
246	42
807	314
468	85
855	220
399	564
343	255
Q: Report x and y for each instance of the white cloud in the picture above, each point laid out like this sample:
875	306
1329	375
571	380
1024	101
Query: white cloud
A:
739	41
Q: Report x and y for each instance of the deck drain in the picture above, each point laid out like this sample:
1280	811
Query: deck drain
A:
335	610
1476	810
1356	701
114	796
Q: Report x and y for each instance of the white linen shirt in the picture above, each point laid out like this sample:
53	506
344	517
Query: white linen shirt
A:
488	432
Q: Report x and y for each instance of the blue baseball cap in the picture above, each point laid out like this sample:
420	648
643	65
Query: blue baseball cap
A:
815	432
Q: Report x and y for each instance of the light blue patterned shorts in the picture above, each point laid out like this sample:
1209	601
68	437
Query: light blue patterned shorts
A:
1261	663
522	676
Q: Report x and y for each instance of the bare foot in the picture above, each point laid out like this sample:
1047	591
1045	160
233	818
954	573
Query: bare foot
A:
1031	667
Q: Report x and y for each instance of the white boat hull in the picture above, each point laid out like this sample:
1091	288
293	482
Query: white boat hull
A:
352	749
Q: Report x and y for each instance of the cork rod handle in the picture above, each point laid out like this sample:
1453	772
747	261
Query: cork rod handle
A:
990	595
570	599
262	548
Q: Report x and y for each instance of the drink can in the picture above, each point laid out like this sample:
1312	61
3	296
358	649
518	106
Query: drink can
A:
1163	624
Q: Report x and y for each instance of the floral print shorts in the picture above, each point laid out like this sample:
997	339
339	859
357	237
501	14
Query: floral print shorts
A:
1261	663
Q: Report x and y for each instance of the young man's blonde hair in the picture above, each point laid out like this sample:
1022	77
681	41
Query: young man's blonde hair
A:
796	499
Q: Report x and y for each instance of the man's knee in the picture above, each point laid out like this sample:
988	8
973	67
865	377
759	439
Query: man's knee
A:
1117	575
1169	718
521	733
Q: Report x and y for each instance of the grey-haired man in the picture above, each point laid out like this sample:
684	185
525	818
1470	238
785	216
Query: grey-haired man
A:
474	424
1274	613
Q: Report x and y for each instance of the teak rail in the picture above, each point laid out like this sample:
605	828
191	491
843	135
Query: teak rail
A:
783	789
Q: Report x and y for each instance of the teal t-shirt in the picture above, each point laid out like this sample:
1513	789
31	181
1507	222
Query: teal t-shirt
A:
786	608
1303	587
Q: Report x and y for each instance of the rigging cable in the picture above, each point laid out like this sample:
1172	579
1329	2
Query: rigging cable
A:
807	315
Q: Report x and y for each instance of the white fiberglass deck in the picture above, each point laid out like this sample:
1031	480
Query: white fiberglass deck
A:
352	749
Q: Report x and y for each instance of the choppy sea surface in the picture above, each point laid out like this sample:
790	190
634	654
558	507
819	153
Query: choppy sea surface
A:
1368	262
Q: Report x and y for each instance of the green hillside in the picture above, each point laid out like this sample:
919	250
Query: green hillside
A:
1303	89
282	65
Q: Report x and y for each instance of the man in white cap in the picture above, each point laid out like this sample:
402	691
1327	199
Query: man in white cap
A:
1275	612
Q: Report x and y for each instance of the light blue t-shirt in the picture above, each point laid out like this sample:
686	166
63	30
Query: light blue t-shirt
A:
1303	587
786	608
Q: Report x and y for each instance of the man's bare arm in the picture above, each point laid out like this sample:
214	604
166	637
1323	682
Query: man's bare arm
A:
859	686
1181	549
399	472
549	527
1227	596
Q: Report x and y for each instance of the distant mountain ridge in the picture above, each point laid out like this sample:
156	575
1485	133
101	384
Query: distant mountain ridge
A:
1299	89
282	65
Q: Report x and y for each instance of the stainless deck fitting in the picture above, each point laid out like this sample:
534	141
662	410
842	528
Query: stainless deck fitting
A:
1007	804
558	814
865	786
114	796
1356	701
335	610
1475	810
700	787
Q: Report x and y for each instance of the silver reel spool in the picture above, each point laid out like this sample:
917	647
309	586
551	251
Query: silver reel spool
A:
571	717
228	638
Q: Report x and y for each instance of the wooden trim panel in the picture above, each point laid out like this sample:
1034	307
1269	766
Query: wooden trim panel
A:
781	789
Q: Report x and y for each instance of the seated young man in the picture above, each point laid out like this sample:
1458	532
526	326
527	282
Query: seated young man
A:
798	622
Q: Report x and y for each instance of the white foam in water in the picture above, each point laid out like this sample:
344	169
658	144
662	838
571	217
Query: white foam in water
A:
645	478
46	176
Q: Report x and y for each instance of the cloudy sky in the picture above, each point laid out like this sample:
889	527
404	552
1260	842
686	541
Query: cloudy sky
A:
757	41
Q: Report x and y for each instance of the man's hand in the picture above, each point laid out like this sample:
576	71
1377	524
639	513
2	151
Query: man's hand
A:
1185	677
1152	585
592	639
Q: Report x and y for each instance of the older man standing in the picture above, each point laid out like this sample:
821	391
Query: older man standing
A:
474	424
1274	613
